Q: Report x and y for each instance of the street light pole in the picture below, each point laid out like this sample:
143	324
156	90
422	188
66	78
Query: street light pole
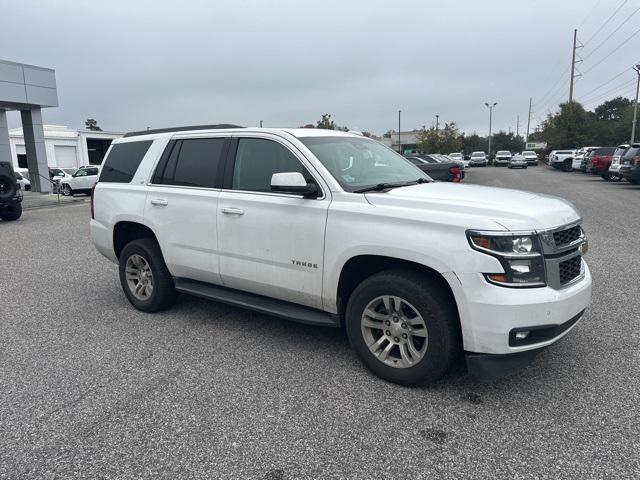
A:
260	123
399	144
490	107
437	122
635	106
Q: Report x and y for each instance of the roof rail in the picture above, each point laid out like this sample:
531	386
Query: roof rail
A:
181	129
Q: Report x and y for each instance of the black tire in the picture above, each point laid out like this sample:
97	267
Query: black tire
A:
67	191
567	165
632	182
8	187
11	212
164	291
432	302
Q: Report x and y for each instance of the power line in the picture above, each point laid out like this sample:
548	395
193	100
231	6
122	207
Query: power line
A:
629	92
606	21
611	90
614	50
616	30
554	85
607	82
589	14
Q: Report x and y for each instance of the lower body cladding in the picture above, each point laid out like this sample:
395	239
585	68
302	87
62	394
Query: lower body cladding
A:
504	328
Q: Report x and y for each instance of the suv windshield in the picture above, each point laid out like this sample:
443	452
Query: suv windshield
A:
477	154
503	152
360	162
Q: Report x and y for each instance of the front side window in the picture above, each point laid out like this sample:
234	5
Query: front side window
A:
81	173
256	161
358	162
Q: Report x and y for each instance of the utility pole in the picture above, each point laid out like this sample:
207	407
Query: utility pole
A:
635	106
573	62
490	107
260	123
437	122
526	139
517	125
399	144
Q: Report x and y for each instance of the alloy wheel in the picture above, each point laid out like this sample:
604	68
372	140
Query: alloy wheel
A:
139	277
394	331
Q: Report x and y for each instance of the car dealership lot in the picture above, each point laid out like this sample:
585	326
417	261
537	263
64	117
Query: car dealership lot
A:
90	387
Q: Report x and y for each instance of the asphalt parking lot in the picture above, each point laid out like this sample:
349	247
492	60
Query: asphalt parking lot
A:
91	388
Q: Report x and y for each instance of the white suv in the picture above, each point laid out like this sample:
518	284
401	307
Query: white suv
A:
331	228
503	157
82	181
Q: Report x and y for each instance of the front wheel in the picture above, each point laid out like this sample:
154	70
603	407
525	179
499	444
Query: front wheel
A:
67	191
11	213
144	276
403	327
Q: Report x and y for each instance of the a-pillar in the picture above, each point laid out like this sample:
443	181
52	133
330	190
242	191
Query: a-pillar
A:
35	149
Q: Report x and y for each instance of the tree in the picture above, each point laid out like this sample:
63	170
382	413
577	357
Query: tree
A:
92	124
444	140
326	122
507	141
613	109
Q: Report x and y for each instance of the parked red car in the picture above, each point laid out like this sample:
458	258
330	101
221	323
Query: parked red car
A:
600	161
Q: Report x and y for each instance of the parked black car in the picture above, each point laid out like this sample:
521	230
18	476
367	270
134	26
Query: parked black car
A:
443	171
10	194
630	164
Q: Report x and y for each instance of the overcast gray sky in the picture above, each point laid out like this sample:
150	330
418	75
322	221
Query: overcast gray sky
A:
158	63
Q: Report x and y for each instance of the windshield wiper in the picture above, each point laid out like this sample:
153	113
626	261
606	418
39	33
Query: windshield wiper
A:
388	186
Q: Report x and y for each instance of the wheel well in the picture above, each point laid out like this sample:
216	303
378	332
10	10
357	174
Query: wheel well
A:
359	268
125	232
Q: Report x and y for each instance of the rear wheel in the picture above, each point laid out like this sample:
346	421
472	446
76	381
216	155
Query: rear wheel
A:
11	212
403	327
144	276
567	166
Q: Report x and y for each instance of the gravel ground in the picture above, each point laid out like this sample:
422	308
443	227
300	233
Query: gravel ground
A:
91	388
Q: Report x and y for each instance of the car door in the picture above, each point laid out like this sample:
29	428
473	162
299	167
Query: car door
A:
271	243
181	206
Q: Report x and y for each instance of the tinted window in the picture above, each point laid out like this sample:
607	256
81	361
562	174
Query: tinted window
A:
198	161
257	160
123	161
632	152
191	163
605	151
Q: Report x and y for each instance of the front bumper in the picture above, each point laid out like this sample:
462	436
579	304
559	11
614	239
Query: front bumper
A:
489	313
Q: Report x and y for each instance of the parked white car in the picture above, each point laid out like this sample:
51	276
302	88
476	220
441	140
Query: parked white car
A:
82	181
478	159
25	184
531	157
459	157
503	157
579	156
335	229
562	159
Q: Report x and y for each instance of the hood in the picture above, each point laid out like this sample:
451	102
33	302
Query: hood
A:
509	209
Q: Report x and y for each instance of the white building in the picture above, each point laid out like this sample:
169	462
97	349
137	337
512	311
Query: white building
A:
65	147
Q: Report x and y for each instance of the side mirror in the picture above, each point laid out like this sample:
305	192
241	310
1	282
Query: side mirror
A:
293	182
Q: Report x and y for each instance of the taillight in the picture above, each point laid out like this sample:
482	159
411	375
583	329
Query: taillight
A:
93	195
455	171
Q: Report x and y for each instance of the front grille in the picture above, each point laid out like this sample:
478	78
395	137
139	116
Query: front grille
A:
569	269
565	237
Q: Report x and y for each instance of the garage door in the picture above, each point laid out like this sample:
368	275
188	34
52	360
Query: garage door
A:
65	156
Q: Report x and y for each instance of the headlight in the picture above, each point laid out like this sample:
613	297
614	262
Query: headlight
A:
520	257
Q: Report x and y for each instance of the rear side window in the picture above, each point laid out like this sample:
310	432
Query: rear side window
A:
191	163
632	152
257	160
605	151
123	160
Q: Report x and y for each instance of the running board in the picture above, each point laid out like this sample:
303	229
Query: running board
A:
258	303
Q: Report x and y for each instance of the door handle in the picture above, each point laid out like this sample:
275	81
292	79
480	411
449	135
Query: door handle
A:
233	211
159	201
